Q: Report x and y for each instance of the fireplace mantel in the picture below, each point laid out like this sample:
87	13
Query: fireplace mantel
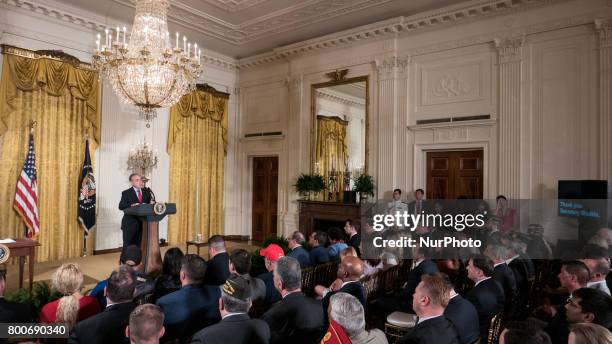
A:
310	211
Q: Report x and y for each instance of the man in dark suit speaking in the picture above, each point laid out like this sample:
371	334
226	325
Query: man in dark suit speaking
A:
131	225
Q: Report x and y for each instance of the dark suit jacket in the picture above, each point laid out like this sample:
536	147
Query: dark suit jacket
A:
464	316
355	242
488	298
235	329
504	275
190	309
14	312
433	331
353	288
558	328
272	295
296	319
129	197
426	267
106	327
301	255
424	206
217	269
319	255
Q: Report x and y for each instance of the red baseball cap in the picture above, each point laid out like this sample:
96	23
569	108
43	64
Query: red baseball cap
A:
273	252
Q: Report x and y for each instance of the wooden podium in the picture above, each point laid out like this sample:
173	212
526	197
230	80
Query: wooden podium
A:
151	214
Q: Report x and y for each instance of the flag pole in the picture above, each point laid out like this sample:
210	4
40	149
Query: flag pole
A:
84	233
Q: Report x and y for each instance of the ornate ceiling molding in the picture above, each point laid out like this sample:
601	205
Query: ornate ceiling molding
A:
341	98
235	5
94	25
509	48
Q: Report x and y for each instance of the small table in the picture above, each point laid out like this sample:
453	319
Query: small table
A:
197	244
23	248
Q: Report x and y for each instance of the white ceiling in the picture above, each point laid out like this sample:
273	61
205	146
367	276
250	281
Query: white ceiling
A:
242	28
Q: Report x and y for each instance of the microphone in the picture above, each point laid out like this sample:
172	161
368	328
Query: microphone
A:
148	189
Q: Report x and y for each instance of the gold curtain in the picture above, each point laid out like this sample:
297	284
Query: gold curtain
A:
63	101
331	148
197	143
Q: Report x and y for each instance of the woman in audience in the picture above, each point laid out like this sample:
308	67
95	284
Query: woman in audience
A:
505	214
168	281
72	306
588	333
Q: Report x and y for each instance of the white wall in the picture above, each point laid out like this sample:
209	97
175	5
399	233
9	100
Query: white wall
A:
31	28
542	74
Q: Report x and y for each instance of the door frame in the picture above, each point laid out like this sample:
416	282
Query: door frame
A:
420	160
248	200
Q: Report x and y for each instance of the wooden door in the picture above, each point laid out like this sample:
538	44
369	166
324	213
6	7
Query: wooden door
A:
265	197
453	174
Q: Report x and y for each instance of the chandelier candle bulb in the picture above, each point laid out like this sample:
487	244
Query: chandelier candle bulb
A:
184	43
124	33
188	50
117	32
177	37
106	37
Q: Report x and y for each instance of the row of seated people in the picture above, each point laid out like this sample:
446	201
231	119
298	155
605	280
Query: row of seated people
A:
196	304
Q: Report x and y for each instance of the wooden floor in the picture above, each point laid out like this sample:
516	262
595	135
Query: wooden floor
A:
95	267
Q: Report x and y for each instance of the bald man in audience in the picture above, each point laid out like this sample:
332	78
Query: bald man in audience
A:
146	325
350	271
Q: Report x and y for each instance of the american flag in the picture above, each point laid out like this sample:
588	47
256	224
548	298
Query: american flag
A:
26	193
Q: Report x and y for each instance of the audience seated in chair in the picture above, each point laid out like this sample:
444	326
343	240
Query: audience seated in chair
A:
131	257
12	312
461	313
318	254
598	269
429	301
501	272
296	318
109	325
296	240
271	255
487	296
194	306
240	264
573	276
349	273
587	333
337	244
236	326
523	332
169	281
146	325
587	305
217	268
348	312
73	306
354	238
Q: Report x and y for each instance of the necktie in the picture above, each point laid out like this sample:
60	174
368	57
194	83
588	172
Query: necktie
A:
139	196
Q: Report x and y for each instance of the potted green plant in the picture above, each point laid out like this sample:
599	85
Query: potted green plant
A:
317	183
364	185
303	185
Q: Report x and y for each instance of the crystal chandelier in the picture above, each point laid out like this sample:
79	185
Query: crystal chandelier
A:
146	70
142	160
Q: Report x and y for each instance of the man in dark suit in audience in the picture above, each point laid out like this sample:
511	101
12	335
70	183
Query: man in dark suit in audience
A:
12	312
461	313
297	251
432	327
135	195
217	268
146	325
354	240
501	272
487	296
419	205
109	326
319	254
296	318
192	307
350	271
236	326
240	264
